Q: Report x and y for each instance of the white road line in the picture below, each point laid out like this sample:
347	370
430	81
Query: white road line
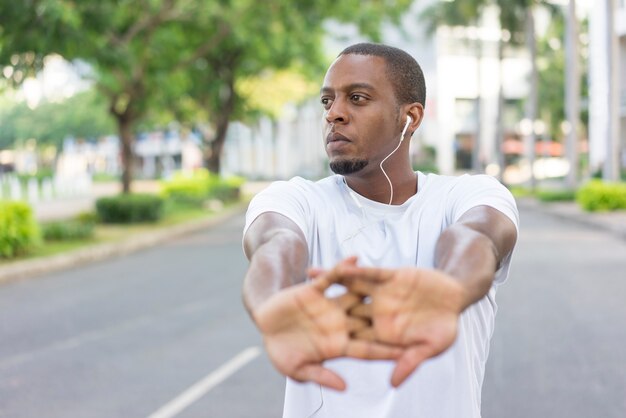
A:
195	392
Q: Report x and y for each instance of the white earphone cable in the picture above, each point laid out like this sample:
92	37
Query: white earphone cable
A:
406	126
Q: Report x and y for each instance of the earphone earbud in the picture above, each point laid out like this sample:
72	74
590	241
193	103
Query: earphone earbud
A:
406	126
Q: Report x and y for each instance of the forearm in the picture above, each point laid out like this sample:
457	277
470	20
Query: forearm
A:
279	262
470	257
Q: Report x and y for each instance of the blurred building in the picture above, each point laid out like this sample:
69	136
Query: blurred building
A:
463	73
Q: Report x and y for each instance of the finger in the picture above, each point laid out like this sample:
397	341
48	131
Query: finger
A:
356	325
324	281
359	286
347	301
313	272
352	260
365	334
320	375
372	274
372	350
361	310
408	362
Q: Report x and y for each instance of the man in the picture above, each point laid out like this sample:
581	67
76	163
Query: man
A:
359	278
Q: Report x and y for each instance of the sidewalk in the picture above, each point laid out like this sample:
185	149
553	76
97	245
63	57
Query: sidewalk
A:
613	222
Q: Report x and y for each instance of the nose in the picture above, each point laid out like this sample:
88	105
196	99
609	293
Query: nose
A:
336	113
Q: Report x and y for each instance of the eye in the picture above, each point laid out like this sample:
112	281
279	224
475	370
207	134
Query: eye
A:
326	102
357	98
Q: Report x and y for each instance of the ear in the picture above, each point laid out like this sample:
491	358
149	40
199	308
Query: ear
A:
416	112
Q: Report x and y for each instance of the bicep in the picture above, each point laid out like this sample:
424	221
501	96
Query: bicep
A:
269	225
494	224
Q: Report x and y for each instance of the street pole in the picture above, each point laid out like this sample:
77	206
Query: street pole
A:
572	93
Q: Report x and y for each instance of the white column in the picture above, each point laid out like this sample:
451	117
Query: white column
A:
603	82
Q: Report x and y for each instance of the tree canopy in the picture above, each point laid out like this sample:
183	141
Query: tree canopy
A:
186	56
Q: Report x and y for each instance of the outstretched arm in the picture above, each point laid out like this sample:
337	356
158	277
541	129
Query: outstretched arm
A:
418	309
301	327
472	250
278	256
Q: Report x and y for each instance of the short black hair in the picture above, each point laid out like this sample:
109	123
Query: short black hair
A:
405	73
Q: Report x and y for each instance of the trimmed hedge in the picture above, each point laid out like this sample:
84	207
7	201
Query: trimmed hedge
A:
18	230
600	196
130	208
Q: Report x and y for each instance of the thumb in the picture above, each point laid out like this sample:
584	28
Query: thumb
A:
320	375
409	361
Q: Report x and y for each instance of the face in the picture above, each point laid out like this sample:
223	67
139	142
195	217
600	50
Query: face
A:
362	121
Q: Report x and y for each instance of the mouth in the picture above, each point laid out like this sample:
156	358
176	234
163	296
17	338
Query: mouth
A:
336	137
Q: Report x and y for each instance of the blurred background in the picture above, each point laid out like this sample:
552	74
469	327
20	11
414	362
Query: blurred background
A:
150	123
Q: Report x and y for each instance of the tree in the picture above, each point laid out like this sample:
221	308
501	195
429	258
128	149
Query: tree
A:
280	34
183	54
83	115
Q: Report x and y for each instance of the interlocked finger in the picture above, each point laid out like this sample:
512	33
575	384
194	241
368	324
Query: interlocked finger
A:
362	310
364	334
356	325
347	301
362	287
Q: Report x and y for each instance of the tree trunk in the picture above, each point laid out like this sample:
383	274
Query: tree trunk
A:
572	93
532	104
124	125
213	150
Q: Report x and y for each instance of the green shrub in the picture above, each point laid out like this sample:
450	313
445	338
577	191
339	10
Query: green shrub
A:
130	208
599	196
189	188
18	230
521	192
556	195
67	230
227	190
195	188
87	218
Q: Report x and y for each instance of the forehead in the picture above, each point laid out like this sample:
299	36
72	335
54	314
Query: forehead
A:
348	70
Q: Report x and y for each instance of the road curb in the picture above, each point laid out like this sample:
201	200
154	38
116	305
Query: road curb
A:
612	222
30	268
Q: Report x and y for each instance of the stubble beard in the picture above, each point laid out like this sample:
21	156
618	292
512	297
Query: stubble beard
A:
344	167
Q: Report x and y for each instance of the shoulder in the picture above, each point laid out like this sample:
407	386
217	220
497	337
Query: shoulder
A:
298	186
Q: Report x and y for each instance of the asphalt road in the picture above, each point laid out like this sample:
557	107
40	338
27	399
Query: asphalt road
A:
162	333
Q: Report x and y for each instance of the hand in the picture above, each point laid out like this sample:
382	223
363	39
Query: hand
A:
302	328
412	308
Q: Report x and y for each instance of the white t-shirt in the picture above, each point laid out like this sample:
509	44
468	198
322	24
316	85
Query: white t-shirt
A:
338	223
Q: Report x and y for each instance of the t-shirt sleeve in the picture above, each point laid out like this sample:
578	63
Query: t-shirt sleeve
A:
287	198
483	190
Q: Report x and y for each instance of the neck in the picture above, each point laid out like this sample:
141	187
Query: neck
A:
375	186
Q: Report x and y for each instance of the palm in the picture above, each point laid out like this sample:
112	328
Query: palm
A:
301	327
411	308
414	309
